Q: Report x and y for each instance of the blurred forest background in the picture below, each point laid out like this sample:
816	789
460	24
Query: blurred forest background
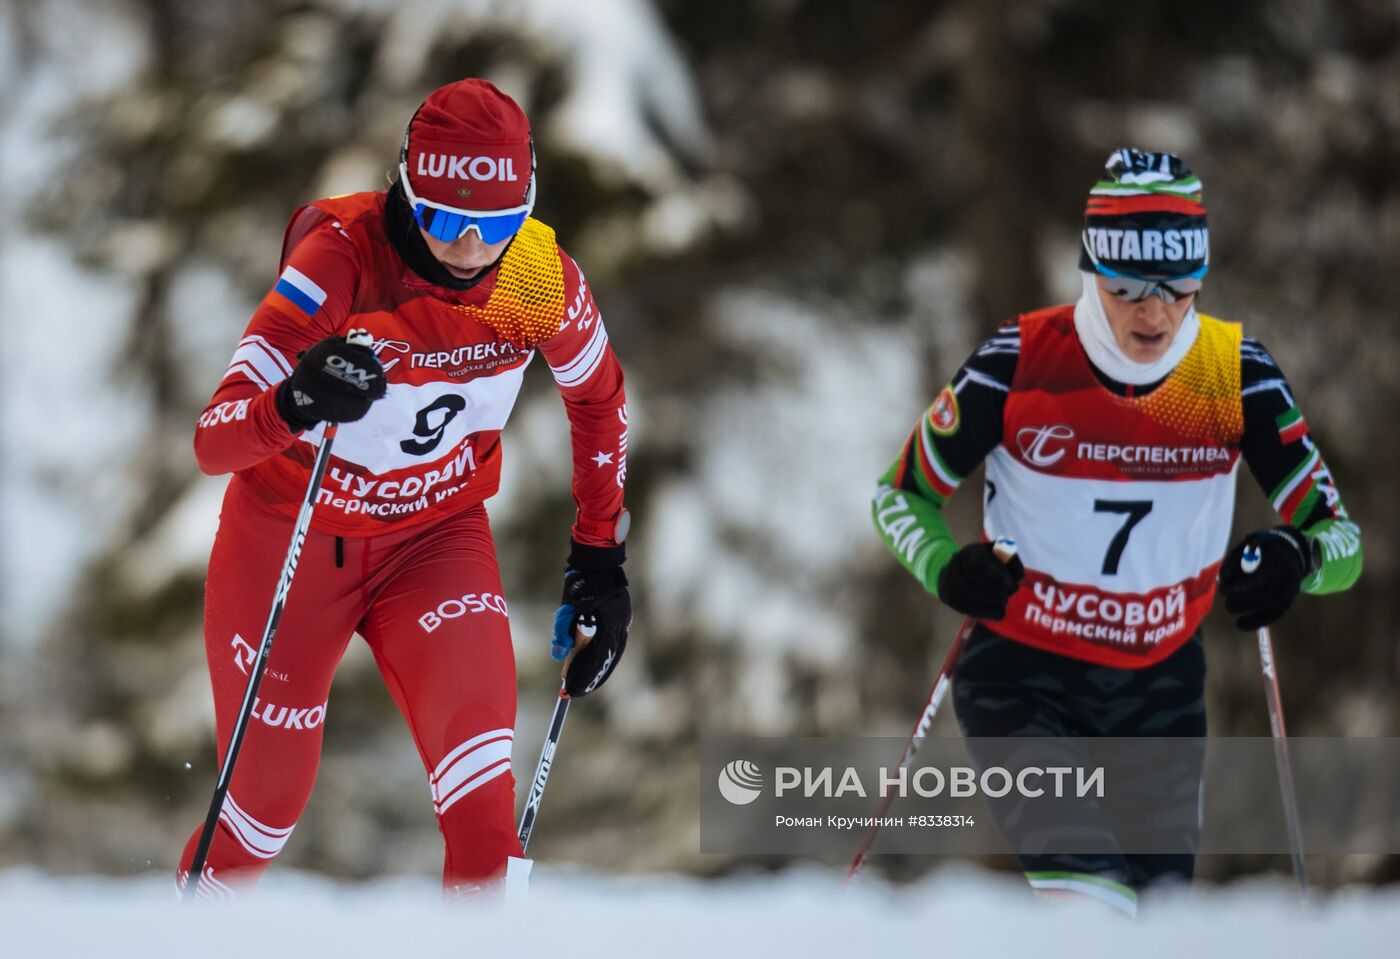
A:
797	216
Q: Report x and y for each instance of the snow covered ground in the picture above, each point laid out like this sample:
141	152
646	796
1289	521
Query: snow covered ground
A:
802	912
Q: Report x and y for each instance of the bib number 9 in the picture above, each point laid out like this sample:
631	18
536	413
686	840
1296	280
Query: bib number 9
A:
432	423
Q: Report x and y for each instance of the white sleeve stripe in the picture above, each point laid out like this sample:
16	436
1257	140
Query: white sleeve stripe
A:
258	838
482	779
568	367
256	356
1122	901
237	830
583	375
926	450
468	767
1251	349
1009	342
461	749
972	376
272	831
1303	475
248	371
1280	385
209	888
205	892
277	356
210	878
583	366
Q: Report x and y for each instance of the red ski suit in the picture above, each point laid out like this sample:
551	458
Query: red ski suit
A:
400	549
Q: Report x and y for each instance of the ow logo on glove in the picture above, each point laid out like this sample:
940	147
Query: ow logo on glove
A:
335	381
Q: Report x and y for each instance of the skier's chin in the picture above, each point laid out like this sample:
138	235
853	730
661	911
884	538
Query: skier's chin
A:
1147	347
461	273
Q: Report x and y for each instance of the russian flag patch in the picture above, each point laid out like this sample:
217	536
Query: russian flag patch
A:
300	291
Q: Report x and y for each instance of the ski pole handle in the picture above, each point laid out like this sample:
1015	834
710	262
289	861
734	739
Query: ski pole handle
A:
584	631
1004	548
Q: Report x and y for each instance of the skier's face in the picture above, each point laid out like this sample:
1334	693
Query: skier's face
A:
1144	330
466	256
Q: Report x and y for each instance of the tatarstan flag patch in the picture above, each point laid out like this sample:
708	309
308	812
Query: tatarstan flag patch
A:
943	415
1290	425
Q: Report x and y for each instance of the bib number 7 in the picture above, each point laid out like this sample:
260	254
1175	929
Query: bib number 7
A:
1133	511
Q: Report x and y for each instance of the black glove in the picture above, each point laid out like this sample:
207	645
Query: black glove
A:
977	584
596	597
335	381
1260	597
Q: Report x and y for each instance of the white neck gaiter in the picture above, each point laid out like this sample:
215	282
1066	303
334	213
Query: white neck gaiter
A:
1091	324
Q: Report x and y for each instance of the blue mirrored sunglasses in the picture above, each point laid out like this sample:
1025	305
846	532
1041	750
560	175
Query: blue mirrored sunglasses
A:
447	226
1134	289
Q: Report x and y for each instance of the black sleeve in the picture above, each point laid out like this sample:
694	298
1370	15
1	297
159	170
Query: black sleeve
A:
1276	446
964	423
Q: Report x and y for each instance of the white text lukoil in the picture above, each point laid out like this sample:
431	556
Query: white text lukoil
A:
466	168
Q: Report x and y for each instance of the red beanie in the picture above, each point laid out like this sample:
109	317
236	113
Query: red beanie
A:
468	146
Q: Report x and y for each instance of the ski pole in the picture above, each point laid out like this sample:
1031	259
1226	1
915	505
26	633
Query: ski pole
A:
916	739
255	673
1004	549
551	745
1249	562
